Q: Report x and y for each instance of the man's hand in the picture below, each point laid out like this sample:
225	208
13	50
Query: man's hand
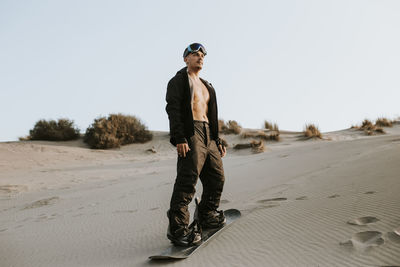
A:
222	150
182	149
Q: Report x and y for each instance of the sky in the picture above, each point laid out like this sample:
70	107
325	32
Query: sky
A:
291	62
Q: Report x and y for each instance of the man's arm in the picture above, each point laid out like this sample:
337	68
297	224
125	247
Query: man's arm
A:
174	105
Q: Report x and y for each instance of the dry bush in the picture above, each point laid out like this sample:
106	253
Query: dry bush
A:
242	146
115	131
380	130
383	122
61	130
271	126
367	125
371	129
255	134
222	126
312	131
256	146
274	135
231	127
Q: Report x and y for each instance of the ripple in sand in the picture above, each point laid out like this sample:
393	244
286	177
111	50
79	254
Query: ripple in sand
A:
334	196
397	230
370	192
394	237
224	201
41	202
272	199
371	238
364	240
124	211
12	188
363	220
302	198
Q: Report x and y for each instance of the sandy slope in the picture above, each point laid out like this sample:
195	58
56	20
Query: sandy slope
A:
305	203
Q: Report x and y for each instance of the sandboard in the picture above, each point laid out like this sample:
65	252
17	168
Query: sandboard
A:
177	252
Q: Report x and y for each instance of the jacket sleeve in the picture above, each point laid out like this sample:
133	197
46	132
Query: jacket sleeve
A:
174	110
218	140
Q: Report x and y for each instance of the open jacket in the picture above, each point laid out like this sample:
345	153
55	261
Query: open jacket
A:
179	108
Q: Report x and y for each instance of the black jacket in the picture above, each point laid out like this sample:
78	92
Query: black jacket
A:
179	109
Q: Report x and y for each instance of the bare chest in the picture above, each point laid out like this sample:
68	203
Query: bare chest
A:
200	92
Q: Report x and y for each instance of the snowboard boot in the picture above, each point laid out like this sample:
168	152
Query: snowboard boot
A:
184	236
212	219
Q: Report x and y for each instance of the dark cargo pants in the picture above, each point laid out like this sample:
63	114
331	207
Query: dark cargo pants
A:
204	161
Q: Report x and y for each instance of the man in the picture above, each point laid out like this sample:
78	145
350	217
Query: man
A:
193	120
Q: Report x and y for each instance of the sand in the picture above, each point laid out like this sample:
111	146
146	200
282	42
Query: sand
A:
330	202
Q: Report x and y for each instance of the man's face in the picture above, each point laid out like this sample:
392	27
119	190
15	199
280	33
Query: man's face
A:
195	60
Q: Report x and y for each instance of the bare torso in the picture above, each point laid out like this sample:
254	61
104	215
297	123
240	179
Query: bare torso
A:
201	97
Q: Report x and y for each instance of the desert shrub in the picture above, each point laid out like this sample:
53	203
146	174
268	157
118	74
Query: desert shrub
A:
61	130
274	135
371	129
367	125
271	126
116	130
221	126
255	134
231	127
256	146
369	132
377	130
383	122
312	131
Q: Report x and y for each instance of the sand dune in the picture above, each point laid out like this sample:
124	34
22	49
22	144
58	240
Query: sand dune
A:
330	202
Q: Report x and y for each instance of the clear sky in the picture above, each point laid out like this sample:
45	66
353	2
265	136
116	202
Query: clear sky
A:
332	63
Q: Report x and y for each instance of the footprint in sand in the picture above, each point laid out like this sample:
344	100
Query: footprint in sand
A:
124	211
42	218
370	238
41	203
260	207
363	220
224	201
272	200
397	230
394	236
302	198
370	192
334	196
364	240
12	189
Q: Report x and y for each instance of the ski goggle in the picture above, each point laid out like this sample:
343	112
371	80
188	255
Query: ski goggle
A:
195	47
